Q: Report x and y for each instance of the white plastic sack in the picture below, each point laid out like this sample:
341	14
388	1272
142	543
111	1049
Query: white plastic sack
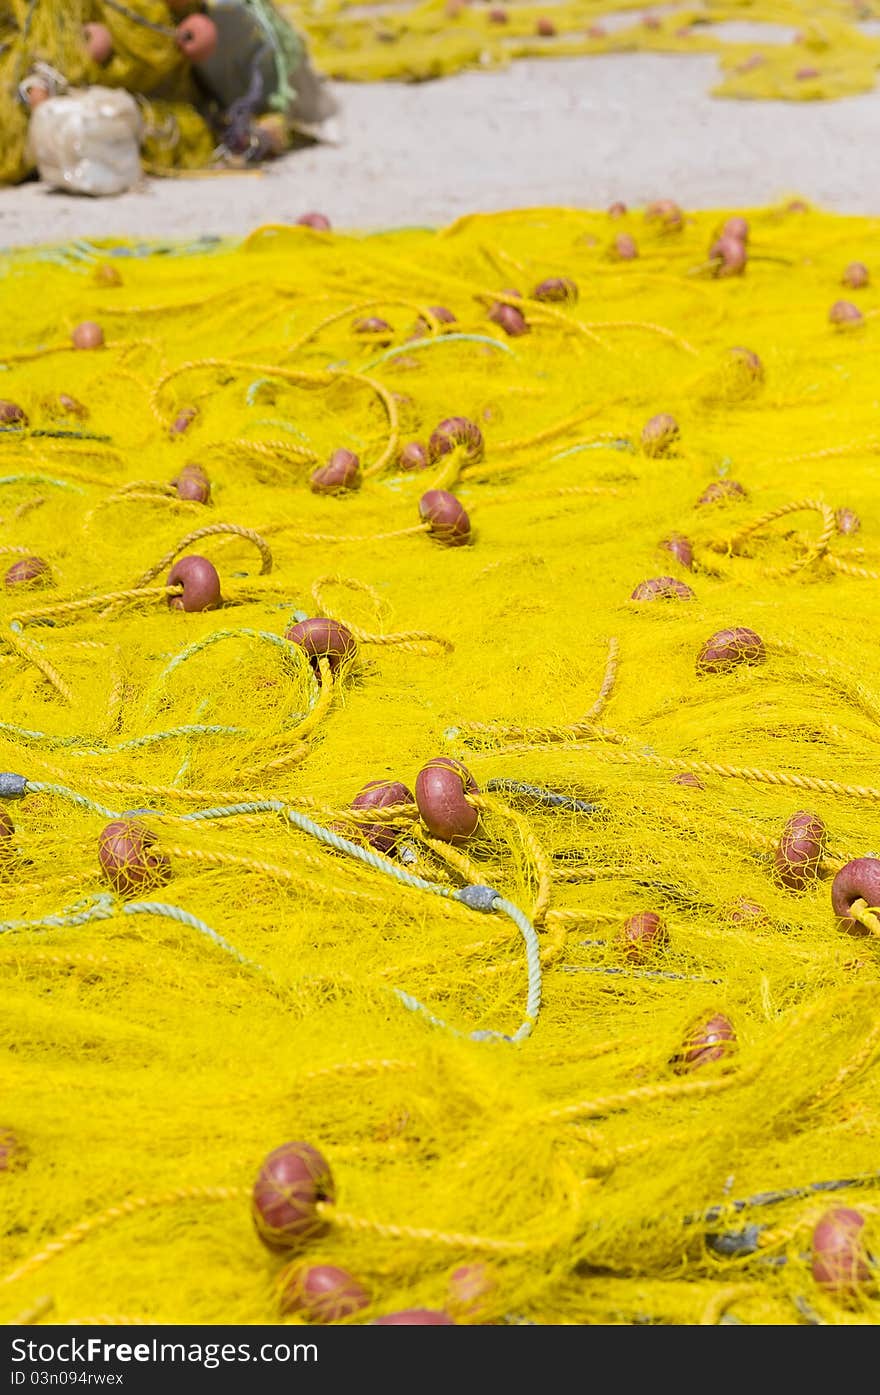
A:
88	142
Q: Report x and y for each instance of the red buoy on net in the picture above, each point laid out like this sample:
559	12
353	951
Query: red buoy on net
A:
200	581
441	787
382	794
323	638
28	573
449	522
128	860
321	1293
292	1180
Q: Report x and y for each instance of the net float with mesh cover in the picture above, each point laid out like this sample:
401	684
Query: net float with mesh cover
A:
447	517
624	248
320	1293
471	1290
662	588
129	859
681	549
739	377
413	456
666	214
291	1182
748	360
556	290
457	433
722	492
840	1261
731	648
800	850
323	638
509	318
28	572
382	794
183	421
847	521
745	912
441	313
11	414
13	1153
644	936
340	475
66	406
374	328
707	1042
660	434
107	276
441	789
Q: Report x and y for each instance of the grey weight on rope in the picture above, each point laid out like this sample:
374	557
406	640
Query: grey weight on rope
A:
478	898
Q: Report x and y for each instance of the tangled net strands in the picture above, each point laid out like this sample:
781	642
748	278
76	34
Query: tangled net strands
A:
625	1083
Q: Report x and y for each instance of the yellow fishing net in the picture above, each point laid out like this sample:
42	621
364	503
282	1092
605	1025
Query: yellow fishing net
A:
814	50
618	1132
793	50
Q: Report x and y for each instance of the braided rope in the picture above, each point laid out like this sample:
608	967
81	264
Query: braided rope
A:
211	530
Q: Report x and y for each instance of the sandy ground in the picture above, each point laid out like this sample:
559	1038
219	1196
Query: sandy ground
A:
569	131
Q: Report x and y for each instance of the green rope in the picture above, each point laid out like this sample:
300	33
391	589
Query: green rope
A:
35	738
265	636
287	47
276	423
414	344
620	444
105	907
62	792
477	898
192	922
80	745
25	433
40	479
194	729
184	767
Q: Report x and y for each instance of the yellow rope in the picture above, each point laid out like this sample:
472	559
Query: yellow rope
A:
121	1211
